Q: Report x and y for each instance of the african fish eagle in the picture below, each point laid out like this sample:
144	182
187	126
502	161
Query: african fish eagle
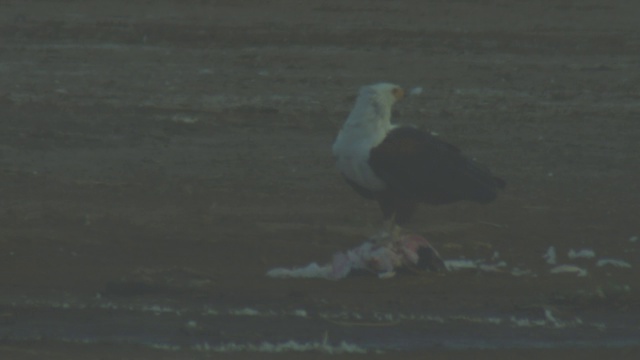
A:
401	166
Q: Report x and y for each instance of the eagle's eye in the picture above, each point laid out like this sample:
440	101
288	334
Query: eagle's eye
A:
398	93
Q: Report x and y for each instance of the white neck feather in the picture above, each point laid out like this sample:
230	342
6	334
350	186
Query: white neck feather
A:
366	127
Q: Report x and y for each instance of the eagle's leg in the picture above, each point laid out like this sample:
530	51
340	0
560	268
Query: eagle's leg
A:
403	210
396	212
393	230
390	229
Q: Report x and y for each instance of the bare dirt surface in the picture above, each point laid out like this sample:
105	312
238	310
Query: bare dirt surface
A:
158	157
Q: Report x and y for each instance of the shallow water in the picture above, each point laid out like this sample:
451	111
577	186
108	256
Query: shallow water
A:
204	327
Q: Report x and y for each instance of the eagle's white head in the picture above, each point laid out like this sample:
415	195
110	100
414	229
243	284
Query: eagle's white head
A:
374	104
370	118
366	127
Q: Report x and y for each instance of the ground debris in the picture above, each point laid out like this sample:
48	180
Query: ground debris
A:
382	255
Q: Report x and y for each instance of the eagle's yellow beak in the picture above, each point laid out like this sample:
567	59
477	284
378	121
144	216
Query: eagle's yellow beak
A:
398	93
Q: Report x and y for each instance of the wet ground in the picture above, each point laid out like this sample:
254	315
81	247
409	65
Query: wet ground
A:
157	159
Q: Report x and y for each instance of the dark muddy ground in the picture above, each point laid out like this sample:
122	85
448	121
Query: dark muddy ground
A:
169	153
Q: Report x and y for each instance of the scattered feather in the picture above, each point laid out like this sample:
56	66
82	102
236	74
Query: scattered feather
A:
460	264
550	256
492	267
312	270
521	272
569	269
583	253
614	262
552	319
416	91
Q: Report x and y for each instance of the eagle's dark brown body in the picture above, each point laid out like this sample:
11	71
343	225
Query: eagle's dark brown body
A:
401	167
417	167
